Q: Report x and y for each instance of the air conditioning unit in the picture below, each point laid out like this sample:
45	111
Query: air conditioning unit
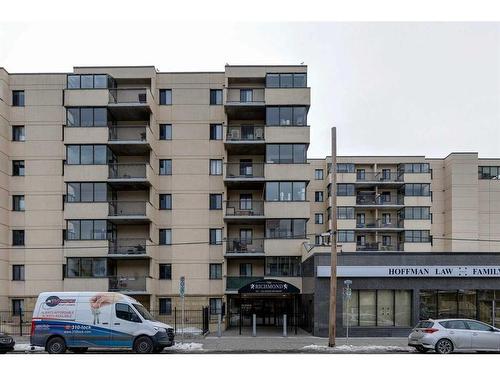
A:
259	133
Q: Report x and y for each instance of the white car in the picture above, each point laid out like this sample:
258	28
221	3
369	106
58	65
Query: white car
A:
447	335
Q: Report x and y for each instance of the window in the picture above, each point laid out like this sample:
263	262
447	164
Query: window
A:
416	213
360	174
86	267
414	168
215	306
417	236
246	95
386	240
246	269
286	80
417	190
165	132
18	272
345	213
489	173
286	191
215	97
18	133
17	306
86	154
318	174
215	271
215	167
165	167
286	153
18	237
89	81
283	266
86	192
454	324
286	228
286	116
18	202
125	312
345	168
165	305
86	230
18	98
345	190
318	196
165	271
215	131
318	218
165	201
87	117
165	237
345	236
215	201
215	236
477	326
165	97
18	168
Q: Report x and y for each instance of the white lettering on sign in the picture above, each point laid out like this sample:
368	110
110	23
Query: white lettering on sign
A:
411	271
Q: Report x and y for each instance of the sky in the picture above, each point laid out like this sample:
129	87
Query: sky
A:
389	88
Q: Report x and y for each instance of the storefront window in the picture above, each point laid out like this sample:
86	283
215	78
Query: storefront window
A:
447	304
367	308
385	307
467	304
402	308
351	310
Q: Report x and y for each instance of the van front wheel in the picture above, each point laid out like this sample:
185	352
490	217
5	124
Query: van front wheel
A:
56	345
143	345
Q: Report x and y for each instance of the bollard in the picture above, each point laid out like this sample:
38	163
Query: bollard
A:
254	325
284	326
219	321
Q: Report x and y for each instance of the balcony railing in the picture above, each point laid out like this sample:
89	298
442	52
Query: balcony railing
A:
127	208
245	96
244	170
127	246
132	96
127	283
245	133
377	246
380	200
379	224
127	170
236	282
245	208
237	246
127	133
379	176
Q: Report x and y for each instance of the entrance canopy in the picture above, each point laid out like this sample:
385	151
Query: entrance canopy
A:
269	286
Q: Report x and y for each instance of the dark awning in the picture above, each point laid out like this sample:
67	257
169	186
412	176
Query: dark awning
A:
269	286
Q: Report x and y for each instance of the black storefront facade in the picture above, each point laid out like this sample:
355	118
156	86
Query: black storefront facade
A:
391	292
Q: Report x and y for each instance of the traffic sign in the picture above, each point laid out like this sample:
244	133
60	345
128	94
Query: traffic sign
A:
182	286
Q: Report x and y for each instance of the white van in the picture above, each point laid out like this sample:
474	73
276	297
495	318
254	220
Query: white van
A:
81	320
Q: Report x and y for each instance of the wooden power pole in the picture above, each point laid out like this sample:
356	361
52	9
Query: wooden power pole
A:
333	274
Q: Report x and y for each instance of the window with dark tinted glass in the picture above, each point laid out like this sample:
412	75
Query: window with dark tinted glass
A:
166	167
165	201
414	190
125	312
86	154
165	236
18	98
215	97
165	306
18	237
286	153
215	306
165	97
86	192
286	80
286	191
215	131
18	167
165	271
286	116
18	272
18	202
215	201
417	236
489	172
215	271
286	228
18	133
345	213
86	230
215	236
86	116
165	132
318	196
345	189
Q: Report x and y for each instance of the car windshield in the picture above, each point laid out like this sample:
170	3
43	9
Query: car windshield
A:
144	313
424	324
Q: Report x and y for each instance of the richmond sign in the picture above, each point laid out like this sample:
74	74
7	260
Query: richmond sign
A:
269	286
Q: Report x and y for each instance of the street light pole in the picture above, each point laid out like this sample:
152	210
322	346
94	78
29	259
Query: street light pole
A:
333	233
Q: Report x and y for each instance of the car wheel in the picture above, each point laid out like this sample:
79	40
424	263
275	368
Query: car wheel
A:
143	345
444	346
78	350
421	349
56	345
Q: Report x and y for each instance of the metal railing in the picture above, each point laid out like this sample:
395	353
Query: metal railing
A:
131	95
127	170
236	282
244	170
379	224
245	95
15	324
379	176
379	200
377	246
196	322
127	283
127	246
127	208
127	133
237	246
245	208
245	133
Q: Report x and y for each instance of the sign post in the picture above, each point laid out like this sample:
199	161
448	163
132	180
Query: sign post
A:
182	290
347	296
333	233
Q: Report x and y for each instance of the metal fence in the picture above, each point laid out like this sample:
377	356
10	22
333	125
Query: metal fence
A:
195	322
18	324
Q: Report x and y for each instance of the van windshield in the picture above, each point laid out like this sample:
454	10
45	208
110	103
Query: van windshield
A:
144	313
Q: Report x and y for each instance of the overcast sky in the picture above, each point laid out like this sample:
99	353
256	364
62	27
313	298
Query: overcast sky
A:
390	88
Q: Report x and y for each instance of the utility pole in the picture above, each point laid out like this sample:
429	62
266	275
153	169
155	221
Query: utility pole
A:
333	233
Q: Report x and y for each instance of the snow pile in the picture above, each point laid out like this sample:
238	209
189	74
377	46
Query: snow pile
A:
27	347
355	348
187	346
189	330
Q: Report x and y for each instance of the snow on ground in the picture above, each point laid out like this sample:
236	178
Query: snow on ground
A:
189	330
356	348
27	347
187	346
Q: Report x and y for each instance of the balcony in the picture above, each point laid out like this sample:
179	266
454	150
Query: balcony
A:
378	246
243	173
245	96
124	212
244	210
380	225
128	247
127	284
379	178
245	133
129	140
372	200
130	103
233	283
235	247
132	175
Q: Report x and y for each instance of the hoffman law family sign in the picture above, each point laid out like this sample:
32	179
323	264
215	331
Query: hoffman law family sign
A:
411	271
